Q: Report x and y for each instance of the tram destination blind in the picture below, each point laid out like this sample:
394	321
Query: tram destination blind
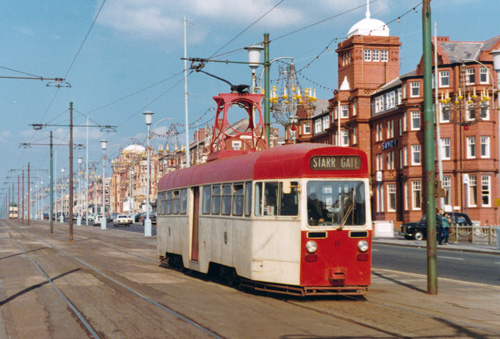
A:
335	163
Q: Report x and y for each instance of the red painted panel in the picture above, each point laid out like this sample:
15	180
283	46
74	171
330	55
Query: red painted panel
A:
289	161
338	262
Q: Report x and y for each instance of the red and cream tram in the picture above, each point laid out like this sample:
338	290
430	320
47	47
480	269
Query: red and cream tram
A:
292	219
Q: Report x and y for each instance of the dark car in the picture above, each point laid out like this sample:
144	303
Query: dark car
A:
111	217
138	217
418	230
152	217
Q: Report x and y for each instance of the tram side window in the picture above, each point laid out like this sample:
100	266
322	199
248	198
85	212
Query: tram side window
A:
176	202
238	199
183	200
226	199
289	202
163	199
248	199
169	202
207	194
258	199
271	198
216	199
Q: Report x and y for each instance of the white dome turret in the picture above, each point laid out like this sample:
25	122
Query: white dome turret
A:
369	26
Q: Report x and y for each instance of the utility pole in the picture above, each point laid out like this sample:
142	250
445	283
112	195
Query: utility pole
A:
267	84
430	156
51	212
103	128
71	171
29	201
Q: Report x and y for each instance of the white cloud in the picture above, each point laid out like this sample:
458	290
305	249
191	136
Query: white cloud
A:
157	19
4	136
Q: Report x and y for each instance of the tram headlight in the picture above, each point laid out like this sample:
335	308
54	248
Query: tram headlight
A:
363	246
311	246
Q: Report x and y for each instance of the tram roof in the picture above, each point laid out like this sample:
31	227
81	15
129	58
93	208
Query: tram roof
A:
283	162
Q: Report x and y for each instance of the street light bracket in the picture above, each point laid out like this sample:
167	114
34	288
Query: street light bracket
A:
58	83
108	129
37	127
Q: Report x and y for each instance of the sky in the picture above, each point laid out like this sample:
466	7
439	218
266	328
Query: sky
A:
123	57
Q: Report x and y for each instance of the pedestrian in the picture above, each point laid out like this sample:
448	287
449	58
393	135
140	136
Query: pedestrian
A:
439	226
446	228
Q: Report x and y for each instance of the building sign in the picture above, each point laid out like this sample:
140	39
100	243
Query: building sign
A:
335	163
389	144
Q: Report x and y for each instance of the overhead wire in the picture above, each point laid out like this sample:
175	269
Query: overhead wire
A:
247	28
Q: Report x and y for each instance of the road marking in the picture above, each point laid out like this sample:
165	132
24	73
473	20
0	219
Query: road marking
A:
452	258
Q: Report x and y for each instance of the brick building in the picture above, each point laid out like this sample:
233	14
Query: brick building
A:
381	112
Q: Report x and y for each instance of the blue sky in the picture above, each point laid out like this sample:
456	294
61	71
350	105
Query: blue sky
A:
130	61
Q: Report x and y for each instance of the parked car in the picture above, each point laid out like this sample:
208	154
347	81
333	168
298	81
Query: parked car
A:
152	217
111	217
418	230
91	217
46	216
97	220
138	217
123	220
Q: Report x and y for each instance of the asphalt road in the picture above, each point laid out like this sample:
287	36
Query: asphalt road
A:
136	227
463	266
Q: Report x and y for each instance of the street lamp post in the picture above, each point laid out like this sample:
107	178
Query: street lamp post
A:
103	219
61	217
78	199
148	116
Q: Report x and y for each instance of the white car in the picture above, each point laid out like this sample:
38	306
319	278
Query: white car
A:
97	220
123	220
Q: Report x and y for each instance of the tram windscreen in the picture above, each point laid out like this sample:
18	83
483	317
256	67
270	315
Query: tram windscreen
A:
336	203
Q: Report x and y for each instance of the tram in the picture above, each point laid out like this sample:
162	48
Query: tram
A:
13	211
293	219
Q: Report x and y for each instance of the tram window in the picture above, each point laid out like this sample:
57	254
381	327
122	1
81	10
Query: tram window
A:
238	199
169	202
176	202
336	203
289	202
215	199
163	199
226	199
183	200
258	199
207	193
248	198
271	198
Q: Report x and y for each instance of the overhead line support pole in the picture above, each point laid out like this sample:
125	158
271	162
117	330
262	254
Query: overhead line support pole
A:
267	114
429	151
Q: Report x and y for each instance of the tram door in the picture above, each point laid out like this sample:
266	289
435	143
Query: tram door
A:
195	215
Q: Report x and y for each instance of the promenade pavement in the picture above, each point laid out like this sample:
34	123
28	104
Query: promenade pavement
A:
460	309
399	240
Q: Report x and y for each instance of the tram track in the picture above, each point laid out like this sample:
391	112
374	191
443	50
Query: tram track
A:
31	247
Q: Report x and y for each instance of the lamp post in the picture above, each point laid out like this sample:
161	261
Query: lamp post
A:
496	67
78	199
148	116
61	217
103	219
254	62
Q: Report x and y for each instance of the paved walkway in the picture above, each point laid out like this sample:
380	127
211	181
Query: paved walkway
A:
460	310
399	240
